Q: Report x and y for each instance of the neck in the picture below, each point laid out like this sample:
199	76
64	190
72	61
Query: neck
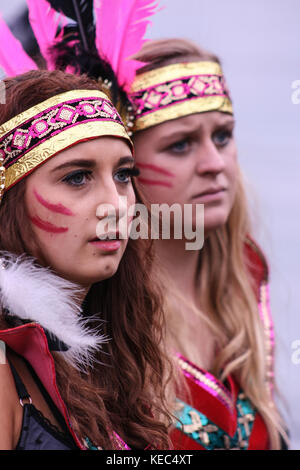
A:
185	317
180	264
83	293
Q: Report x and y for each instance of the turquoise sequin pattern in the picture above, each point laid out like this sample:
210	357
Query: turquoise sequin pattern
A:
198	427
89	445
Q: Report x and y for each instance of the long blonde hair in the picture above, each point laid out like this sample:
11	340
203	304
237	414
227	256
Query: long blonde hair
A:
226	288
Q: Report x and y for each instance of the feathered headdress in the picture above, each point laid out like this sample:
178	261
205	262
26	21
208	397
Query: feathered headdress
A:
96	37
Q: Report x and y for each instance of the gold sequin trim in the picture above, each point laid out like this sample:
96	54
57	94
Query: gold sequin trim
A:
59	142
269	339
206	381
30	113
177	110
173	72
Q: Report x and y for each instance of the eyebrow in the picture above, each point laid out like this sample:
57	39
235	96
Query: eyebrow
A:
227	122
89	163
187	131
124	160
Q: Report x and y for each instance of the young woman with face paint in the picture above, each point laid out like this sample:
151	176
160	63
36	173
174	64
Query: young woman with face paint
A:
218	319
80	319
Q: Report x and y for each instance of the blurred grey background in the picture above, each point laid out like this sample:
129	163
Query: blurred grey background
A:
258	42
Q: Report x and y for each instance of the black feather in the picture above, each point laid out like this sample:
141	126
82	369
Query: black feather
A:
81	12
81	54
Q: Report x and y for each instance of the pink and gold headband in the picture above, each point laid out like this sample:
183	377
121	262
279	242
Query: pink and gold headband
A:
32	137
178	90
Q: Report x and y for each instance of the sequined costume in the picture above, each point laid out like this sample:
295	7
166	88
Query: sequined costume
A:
218	415
34	344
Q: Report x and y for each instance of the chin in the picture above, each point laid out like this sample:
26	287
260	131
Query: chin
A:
213	221
89	277
107	273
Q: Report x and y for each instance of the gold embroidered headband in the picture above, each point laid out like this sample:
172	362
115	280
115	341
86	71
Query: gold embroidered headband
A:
178	90
32	137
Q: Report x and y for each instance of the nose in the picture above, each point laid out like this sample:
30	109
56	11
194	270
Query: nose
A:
210	160
111	204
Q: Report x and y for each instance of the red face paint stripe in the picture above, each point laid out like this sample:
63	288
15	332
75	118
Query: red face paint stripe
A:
156	168
155	183
46	226
59	208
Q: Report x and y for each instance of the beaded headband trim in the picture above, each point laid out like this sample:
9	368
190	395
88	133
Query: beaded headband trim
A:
32	137
178	90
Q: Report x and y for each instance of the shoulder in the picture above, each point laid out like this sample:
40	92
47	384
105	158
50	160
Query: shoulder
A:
8	401
256	262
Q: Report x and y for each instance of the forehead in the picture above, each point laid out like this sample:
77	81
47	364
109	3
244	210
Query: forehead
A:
102	150
193	121
189	124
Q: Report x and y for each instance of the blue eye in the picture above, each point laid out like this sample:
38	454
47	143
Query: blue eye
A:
122	176
125	174
77	178
182	146
222	137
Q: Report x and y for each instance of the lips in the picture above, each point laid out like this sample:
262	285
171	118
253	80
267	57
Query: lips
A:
212	190
106	246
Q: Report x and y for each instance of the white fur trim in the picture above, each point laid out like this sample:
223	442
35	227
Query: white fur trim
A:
32	292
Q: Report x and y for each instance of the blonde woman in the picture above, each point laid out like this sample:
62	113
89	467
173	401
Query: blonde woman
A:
217	305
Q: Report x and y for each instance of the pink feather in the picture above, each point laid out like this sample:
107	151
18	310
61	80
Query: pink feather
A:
44	21
13	59
120	30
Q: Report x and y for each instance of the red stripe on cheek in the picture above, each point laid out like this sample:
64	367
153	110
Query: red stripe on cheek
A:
155	183
46	226
155	168
58	208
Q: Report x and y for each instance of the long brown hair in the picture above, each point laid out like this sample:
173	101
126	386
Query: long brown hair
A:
123	391
225	285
